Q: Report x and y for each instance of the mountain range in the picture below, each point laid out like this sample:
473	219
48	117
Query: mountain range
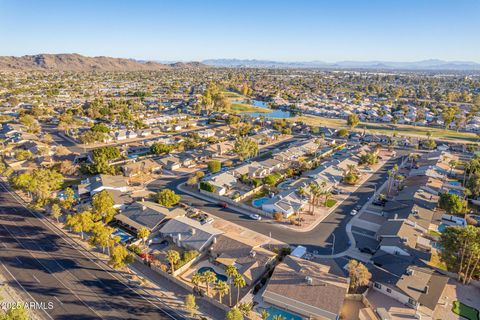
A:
432	64
77	62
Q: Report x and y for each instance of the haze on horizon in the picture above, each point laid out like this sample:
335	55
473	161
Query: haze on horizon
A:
330	31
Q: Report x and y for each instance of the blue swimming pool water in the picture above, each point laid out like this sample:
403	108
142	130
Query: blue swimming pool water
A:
220	277
257	203
454	183
441	227
124	237
272	312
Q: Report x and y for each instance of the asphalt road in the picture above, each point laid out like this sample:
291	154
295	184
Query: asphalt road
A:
45	266
320	239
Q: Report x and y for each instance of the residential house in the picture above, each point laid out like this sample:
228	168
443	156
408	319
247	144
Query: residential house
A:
146	214
223	182
287	203
189	233
416	286
146	166
306	288
101	182
251	261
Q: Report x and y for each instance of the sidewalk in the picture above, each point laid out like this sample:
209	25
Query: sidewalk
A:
320	213
157	287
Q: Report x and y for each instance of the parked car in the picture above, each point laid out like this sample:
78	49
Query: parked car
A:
353	212
223	204
358	207
255	216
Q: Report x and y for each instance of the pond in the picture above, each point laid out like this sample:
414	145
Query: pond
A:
274	114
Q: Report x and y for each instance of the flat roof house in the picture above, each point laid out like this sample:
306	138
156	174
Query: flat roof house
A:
306	288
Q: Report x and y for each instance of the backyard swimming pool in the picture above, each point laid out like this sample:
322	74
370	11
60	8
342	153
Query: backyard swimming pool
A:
220	277
257	203
454	183
124	237
272	312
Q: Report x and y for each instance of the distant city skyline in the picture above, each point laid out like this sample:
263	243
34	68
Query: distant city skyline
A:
300	31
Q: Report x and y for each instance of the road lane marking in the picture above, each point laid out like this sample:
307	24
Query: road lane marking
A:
36	279
33	299
18	259
55	297
62	234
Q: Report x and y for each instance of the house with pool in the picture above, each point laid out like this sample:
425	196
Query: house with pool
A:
287	202
251	260
300	289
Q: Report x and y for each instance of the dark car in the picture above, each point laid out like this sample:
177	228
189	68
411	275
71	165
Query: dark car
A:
358	207
223	204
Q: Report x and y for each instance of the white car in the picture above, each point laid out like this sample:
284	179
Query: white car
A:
255	216
353	212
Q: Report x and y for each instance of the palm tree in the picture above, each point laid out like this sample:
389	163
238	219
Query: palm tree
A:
209	277
197	279
264	314
278	317
327	195
173	257
239	282
231	272
222	289
453	164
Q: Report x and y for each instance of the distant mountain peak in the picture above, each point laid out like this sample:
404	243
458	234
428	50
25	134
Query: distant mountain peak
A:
77	62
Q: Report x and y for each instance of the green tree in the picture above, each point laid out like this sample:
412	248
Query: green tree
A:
214	166
461	251
173	257
369	158
359	274
120	257
143	233
39	182
264	314
161	148
231	271
69	199
222	288
167	198
197	279
245	148
102	206
353	120
209	277
207	186
452	203
102	236
56	211
239	282
342	133
17	312
234	314
81	222
191	304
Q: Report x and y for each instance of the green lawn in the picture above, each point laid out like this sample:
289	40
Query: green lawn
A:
331	202
245	107
465	311
383	128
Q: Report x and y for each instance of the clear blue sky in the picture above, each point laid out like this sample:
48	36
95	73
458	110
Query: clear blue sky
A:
295	30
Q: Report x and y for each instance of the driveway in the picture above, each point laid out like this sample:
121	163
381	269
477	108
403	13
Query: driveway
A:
329	236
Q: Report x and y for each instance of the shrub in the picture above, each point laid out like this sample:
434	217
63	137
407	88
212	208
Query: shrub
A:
278	216
135	249
187	256
207	186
